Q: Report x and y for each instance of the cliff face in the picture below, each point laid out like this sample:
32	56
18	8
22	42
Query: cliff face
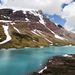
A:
32	15
30	28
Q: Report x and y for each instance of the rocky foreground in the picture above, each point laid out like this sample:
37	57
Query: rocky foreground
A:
58	65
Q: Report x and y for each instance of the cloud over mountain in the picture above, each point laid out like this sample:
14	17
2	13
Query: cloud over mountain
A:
49	7
69	15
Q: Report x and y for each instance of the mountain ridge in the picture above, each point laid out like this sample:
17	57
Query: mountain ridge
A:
25	27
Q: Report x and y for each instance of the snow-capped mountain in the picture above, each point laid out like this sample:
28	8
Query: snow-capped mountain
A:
31	28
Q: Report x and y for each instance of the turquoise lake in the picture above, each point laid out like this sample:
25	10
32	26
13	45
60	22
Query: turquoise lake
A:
24	61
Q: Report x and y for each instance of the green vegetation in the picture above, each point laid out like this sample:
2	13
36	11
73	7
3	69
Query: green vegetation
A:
2	34
23	40
26	38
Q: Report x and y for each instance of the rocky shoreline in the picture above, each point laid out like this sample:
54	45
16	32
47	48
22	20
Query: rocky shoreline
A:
35	47
58	65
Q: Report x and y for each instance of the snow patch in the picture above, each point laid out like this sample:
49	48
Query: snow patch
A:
50	60
40	32
43	36
49	40
58	37
5	21
27	20
67	55
16	29
39	15
34	41
35	30
12	23
70	45
56	24
24	12
23	9
8	38
41	46
42	69
32	11
56	43
73	32
6	16
55	35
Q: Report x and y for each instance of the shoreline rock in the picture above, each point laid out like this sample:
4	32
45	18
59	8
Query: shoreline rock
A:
58	65
34	47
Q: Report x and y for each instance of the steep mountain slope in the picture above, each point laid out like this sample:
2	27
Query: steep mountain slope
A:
66	34
31	28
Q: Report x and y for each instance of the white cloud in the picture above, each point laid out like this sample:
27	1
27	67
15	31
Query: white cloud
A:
69	15
69	11
48	6
52	19
48	17
70	24
4	2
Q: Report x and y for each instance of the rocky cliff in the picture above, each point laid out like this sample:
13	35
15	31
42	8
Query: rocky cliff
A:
31	28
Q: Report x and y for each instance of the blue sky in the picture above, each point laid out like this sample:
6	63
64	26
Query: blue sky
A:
64	5
56	19
0	1
73	1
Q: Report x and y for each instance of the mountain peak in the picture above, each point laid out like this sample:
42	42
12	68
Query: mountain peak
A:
60	26
27	25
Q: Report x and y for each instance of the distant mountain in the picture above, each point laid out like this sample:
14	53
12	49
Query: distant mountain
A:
60	26
31	28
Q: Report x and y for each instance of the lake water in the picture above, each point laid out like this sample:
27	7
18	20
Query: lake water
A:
24	61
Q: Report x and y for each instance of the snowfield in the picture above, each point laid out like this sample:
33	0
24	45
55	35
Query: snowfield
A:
34	31
27	20
39	15
5	16
56	36
31	11
5	21
38	33
12	23
42	69
43	36
67	55
16	29
8	38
